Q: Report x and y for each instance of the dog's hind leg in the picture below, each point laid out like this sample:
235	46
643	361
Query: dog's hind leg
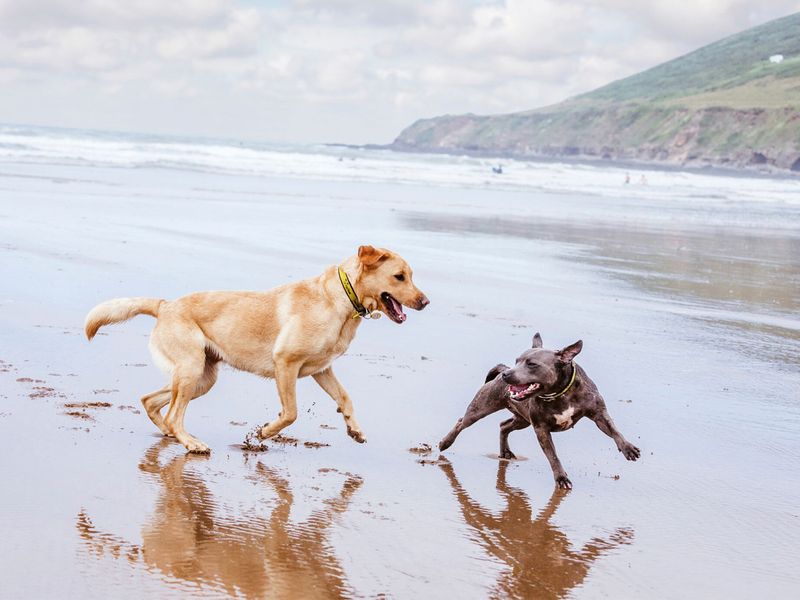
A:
190	380
486	402
506	427
606	425
153	403
328	382
185	388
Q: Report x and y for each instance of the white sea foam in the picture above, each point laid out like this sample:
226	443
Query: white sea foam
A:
59	146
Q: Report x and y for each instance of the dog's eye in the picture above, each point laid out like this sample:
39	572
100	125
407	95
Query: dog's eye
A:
400	277
532	365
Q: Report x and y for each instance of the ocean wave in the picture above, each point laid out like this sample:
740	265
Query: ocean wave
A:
15	146
108	149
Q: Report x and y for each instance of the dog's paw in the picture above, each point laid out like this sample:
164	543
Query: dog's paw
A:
563	482
631	452
357	435
508	454
197	447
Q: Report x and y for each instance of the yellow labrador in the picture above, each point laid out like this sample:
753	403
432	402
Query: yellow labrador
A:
291	331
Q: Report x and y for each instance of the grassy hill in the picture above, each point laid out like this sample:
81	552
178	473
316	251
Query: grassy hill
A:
725	104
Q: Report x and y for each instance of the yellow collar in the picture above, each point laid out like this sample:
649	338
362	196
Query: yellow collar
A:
351	294
550	397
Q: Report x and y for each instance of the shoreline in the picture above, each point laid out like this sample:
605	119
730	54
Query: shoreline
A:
714	170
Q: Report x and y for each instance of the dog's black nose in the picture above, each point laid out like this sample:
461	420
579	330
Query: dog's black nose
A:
505	375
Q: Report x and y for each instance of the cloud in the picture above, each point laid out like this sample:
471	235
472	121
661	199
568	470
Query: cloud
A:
80	37
113	14
344	70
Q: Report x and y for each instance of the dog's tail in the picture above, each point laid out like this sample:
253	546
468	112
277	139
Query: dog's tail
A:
118	310
494	372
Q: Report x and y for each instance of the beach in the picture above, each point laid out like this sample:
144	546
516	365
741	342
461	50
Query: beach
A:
685	292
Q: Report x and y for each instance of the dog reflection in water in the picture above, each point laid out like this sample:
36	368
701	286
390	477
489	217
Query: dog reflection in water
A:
541	561
255	556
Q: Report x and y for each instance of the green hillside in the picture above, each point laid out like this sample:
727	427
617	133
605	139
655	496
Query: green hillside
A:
735	61
725	104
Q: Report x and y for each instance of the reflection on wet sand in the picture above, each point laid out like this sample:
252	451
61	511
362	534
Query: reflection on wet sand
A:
541	561
741	279
752	269
254	556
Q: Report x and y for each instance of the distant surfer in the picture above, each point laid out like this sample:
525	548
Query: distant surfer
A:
498	169
627	178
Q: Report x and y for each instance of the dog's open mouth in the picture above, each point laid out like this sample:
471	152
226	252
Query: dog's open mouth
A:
393	308
518	392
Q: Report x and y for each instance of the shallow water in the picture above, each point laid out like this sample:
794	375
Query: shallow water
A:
688	312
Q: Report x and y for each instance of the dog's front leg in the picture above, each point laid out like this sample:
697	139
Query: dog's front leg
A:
546	442
333	387
286	379
606	425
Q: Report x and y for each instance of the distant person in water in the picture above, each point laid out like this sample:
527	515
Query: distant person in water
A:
498	169
643	179
627	178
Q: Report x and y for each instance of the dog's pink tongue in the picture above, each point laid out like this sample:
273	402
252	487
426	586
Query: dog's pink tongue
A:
398	308
518	388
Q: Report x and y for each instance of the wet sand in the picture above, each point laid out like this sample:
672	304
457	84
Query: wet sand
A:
688	313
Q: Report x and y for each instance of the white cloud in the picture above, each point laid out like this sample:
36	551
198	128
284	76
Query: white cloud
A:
347	70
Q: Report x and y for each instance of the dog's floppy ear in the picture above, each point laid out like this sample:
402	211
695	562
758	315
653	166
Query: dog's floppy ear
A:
370	256
537	341
567	354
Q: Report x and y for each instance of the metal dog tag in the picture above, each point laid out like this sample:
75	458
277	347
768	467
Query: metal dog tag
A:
375	314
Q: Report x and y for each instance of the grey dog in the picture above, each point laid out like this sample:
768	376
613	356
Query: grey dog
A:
545	389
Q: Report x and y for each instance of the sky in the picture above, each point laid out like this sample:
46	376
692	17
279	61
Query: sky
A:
331	70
